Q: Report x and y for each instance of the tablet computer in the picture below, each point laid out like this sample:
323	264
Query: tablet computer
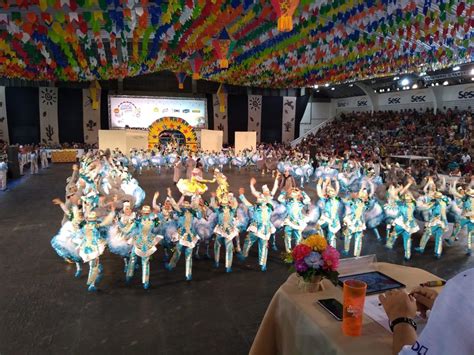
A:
376	281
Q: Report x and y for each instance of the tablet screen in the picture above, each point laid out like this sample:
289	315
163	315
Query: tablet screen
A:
375	280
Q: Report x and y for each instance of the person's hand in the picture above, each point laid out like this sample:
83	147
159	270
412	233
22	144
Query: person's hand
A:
168	190
253	181
57	201
425	298
398	303
155	196
241	191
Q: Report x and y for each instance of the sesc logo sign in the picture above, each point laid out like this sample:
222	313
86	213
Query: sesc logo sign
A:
393	100
466	94
361	103
418	98
342	104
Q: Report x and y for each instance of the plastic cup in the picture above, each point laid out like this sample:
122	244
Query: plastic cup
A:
353	307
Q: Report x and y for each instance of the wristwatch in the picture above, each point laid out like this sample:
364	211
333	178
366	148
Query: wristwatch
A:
396	321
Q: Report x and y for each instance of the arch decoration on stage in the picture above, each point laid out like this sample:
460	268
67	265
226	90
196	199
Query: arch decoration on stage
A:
169	127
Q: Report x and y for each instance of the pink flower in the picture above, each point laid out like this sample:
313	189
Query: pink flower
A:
331	259
300	252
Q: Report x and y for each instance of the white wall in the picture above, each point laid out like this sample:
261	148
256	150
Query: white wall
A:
315	114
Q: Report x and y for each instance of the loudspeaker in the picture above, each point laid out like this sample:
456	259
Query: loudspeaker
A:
13	164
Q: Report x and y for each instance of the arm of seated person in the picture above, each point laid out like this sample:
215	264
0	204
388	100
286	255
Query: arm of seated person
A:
397	304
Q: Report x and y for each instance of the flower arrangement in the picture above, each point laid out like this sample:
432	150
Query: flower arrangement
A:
314	258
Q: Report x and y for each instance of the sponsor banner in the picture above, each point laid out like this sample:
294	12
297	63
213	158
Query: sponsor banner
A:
422	96
458	93
142	111
48	109
357	102
254	114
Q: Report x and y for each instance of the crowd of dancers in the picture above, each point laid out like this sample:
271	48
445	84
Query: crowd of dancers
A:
104	208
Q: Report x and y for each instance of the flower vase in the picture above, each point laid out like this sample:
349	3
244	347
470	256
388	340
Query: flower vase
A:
311	286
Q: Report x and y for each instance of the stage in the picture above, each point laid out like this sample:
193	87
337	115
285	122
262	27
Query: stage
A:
45	310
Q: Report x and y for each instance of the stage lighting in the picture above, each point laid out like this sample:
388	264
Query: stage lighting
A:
472	78
396	78
405	82
326	85
388	89
415	86
456	68
472	71
445	83
437	84
422	73
316	86
351	85
333	89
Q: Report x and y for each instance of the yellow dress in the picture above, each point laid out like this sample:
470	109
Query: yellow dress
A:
193	186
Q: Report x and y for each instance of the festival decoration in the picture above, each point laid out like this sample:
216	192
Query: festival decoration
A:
277	44
222	95
222	46
94	91
285	10
181	77
196	64
313	260
172	124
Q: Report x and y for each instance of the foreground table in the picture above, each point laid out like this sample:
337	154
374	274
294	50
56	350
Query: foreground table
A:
294	324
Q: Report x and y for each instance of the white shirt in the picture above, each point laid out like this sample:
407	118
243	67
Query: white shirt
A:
466	158
450	327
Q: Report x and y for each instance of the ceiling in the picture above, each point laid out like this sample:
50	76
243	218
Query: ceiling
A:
330	41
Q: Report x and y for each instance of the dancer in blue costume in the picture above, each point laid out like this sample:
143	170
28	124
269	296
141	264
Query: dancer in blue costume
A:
294	223
390	207
204	227
260	229
226	229
92	245
437	223
466	200
329	220
118	240
186	236
63	242
279	210
405	224
168	225
374	215
354	221
144	238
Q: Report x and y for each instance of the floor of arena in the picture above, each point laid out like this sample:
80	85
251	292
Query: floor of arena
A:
45	310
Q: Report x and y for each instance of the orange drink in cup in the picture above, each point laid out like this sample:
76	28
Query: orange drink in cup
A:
353	307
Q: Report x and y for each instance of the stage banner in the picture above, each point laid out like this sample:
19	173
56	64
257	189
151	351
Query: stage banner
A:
288	121
220	118
255	114
245	140
3	116
91	118
211	141
48	109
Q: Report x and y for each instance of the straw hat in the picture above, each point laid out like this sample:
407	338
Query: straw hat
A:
470	192
146	209
437	194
